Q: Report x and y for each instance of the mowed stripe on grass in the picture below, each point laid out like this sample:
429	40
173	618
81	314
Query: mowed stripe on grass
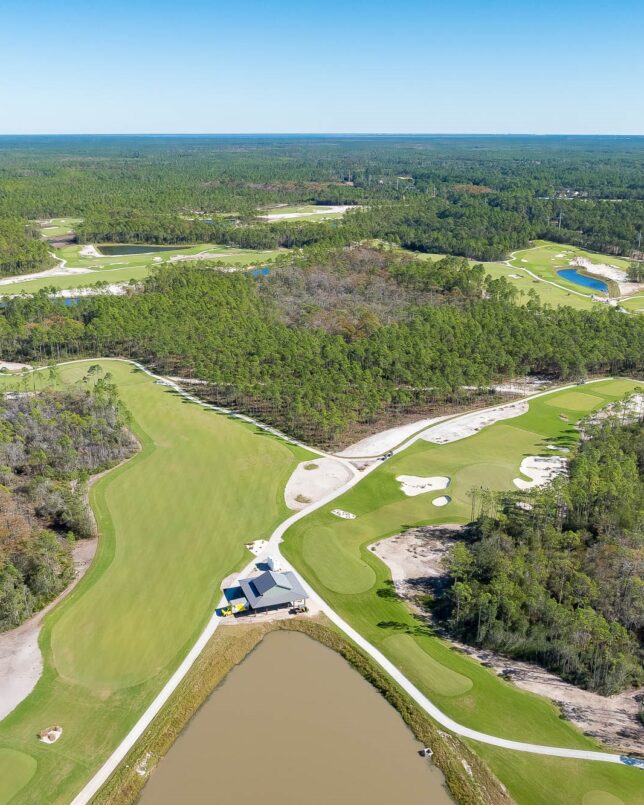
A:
489	459
173	523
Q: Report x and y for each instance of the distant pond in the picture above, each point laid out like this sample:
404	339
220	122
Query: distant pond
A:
110	250
572	275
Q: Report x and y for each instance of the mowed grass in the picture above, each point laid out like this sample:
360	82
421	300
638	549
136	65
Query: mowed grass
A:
60	226
333	555
173	522
123	268
548	294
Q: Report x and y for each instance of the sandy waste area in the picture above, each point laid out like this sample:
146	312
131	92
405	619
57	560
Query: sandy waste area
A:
313	480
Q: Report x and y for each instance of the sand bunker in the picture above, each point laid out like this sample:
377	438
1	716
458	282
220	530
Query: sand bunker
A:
343	514
9	366
443	500
90	251
283	216
313	480
257	546
541	469
50	735
453	430
413	485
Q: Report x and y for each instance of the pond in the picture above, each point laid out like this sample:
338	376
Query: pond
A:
113	249
295	723
572	275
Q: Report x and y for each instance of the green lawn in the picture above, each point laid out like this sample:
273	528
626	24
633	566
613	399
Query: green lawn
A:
333	555
543	259
59	226
123	268
173	522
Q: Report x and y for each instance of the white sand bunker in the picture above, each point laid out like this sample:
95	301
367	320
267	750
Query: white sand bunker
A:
609	272
443	500
413	485
468	425
257	546
90	251
541	469
313	480
343	514
50	735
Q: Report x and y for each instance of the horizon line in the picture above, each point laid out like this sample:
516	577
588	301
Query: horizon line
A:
312	134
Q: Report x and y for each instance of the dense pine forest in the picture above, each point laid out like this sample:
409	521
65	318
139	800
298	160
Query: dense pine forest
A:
480	197
50	443
561	583
351	337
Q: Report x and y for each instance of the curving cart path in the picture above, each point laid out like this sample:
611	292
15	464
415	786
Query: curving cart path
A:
272	548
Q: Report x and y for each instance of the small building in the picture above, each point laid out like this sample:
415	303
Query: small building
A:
272	589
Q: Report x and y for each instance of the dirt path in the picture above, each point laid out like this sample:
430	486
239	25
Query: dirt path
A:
415	559
20	658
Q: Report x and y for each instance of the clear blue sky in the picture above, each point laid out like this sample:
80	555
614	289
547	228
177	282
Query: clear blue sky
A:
322	66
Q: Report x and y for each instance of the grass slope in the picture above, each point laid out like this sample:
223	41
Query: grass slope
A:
333	555
173	523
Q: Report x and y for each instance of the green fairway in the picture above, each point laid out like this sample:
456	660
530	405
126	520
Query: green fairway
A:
56	227
548	294
173	521
123	268
333	554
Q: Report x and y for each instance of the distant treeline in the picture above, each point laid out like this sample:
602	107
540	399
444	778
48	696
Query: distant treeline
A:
474	196
561	584
325	367
50	443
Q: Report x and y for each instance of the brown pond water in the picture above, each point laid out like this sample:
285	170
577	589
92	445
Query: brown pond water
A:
293	724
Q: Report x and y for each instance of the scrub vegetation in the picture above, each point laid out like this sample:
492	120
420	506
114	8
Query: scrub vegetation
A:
347	340
334	556
560	583
50	443
172	526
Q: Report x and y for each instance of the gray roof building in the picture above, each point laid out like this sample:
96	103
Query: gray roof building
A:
272	589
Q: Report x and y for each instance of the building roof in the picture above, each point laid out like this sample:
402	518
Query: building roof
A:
271	589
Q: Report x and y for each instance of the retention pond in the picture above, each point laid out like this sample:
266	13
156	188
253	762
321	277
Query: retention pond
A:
572	275
295	723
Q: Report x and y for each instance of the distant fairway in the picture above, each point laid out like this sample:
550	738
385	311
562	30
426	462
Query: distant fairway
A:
173	520
332	554
123	268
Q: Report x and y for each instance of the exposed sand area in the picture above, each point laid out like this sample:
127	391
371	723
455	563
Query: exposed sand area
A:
415	560
313	480
284	216
443	500
114	289
90	250
610	272
20	658
9	366
541	470
380	443
344	515
452	431
413	485
56	271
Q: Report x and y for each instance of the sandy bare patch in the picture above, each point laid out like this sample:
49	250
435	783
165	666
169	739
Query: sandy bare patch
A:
90	250
468	425
313	480
343	514
257	546
283	216
114	289
9	366
416	561
380	443
413	485
610	272
57	271
541	470
20	658
443	500
50	734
